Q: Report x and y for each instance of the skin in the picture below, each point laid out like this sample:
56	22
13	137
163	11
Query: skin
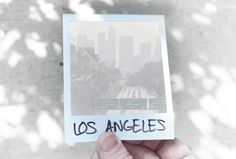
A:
109	146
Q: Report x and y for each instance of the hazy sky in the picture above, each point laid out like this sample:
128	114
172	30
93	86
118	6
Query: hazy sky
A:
141	31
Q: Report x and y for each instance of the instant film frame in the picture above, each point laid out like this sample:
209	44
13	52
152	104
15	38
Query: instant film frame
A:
116	77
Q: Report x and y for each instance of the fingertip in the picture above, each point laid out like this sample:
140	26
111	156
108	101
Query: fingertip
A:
107	142
109	146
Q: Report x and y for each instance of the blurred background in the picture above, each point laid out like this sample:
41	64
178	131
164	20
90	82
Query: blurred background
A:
201	39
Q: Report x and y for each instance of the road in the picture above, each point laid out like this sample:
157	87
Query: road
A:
134	92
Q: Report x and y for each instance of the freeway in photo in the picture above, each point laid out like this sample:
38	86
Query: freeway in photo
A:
131	100
134	92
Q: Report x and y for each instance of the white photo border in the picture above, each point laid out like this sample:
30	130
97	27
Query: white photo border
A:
101	119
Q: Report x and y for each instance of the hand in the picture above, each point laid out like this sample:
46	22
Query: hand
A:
109	146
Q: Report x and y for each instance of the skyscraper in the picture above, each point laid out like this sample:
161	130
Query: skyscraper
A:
156	55
111	43
145	52
83	41
126	51
106	46
102	47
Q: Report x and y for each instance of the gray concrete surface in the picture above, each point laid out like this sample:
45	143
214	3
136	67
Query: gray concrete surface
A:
201	37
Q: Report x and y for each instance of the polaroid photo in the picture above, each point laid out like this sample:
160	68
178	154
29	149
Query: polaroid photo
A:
116	77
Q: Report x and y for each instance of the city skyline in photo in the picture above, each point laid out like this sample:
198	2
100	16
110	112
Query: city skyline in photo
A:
128	52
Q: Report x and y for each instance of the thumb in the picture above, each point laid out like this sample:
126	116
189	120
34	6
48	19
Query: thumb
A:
109	146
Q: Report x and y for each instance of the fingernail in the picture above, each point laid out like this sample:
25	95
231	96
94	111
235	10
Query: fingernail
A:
107	142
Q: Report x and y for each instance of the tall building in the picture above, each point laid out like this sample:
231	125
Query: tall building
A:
83	41
145	52
126	51
106	47
111	44
102	47
156	55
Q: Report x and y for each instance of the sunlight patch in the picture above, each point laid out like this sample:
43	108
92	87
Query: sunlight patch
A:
209	8
213	107
31	90
14	59
209	83
82	9
177	83
177	35
48	9
3	96
220	72
56	47
226	97
200	18
201	120
5	1
34	140
210	148
2	34
13	114
233	73
197	69
49	130
7	41
18	97
34	44
109	2
34	14
10	120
